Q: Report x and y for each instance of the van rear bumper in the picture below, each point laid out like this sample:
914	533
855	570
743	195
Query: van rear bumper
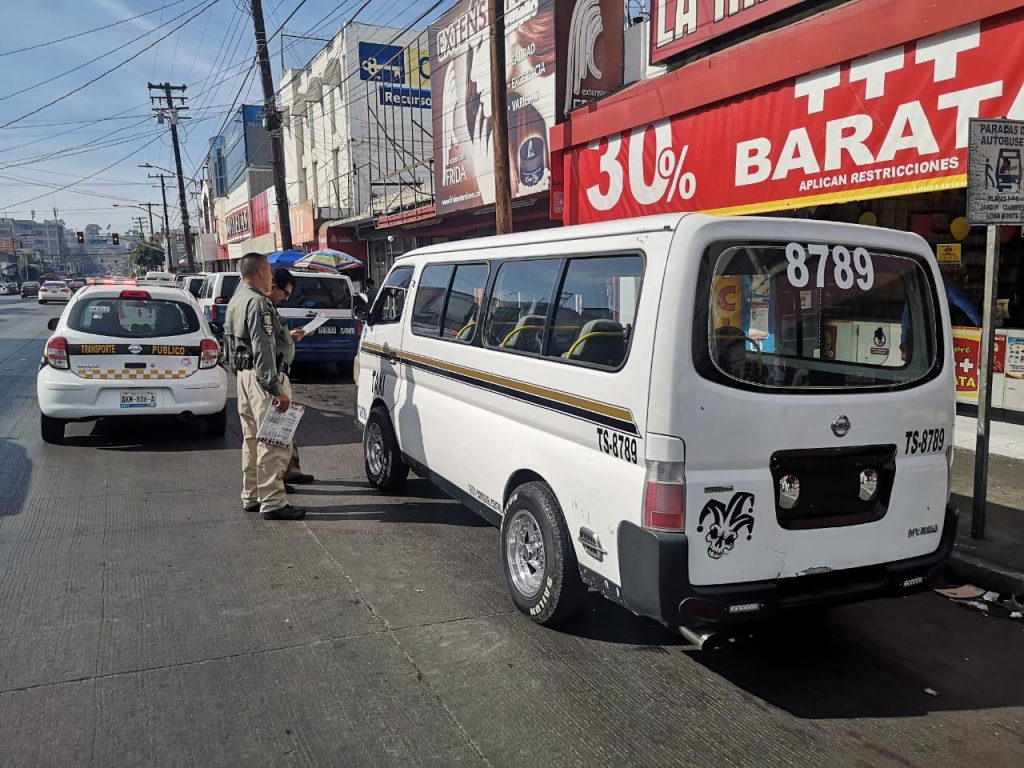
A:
655	582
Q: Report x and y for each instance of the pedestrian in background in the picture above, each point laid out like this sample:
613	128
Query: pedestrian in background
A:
283	285
252	331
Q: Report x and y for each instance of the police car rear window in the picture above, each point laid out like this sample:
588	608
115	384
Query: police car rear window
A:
133	318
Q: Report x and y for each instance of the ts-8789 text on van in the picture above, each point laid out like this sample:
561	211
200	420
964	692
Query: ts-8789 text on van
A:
706	419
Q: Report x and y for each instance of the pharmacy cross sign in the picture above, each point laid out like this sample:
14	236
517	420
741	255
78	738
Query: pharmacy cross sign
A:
966	366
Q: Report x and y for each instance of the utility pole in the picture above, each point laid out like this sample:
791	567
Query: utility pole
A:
171	112
272	121
499	118
168	250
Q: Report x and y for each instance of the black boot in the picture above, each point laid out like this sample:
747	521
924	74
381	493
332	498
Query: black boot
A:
285	513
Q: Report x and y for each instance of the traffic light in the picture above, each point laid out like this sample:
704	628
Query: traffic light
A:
115	239
81	236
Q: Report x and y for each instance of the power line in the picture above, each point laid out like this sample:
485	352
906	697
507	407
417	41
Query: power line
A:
36	46
78	67
90	176
99	77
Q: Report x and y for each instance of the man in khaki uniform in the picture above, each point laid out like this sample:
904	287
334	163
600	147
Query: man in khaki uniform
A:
253	332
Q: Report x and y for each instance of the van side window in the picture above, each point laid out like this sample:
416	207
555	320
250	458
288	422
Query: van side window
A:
205	289
390	302
597	310
518	306
462	312
429	303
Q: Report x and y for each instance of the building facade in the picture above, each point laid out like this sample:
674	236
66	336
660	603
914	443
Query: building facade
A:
867	124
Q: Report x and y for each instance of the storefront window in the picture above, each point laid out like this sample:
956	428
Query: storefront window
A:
815	316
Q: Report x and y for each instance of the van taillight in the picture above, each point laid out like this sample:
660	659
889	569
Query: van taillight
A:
665	496
56	353
214	313
209	353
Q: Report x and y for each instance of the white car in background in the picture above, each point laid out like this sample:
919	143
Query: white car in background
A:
127	350
54	290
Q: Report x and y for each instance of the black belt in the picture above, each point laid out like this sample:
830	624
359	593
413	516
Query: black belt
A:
285	368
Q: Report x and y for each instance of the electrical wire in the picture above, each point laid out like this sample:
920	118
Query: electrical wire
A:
99	77
37	46
103	55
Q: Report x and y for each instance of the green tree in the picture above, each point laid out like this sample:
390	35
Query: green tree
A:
147	257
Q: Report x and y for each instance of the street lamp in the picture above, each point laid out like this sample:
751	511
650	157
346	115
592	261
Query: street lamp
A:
158	168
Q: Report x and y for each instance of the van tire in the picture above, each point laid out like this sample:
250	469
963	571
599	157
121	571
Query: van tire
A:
385	468
52	430
217	423
561	590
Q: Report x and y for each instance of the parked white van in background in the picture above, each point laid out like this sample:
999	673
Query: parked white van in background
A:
706	419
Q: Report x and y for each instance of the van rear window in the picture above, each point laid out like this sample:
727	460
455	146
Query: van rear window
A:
314	292
133	318
804	315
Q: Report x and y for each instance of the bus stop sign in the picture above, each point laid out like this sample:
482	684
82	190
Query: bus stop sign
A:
995	195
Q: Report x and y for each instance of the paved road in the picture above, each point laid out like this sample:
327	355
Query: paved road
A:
145	619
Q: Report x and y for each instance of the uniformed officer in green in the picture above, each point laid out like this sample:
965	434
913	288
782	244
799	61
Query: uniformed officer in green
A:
254	339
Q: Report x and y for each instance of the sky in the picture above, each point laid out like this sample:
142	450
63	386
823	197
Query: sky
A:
94	138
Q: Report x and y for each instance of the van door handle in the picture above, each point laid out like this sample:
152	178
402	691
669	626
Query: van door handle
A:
390	353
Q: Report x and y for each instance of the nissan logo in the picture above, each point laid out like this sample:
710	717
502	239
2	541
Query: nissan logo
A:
840	426
135	349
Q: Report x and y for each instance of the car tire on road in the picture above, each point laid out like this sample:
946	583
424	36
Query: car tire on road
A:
41	301
217	423
538	558
385	468
52	430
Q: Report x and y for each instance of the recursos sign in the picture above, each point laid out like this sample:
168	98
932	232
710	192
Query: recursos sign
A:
677	25
891	123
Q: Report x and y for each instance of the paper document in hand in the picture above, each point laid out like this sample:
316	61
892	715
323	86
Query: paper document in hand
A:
279	428
315	323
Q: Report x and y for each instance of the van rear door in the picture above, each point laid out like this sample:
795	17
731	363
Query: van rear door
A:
811	385
327	294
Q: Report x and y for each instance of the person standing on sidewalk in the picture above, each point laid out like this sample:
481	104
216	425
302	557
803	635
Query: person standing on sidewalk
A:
283	285
251	332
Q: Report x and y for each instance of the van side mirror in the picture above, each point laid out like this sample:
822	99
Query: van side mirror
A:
52	323
361	313
217	328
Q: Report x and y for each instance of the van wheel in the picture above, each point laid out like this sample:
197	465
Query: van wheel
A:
385	468
537	556
51	429
217	423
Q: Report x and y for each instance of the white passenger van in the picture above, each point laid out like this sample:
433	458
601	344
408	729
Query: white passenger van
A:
706	419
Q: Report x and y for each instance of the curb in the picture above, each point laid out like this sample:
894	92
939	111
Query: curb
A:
984	573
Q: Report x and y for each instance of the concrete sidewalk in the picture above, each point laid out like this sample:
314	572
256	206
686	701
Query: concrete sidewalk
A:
1004	439
997	561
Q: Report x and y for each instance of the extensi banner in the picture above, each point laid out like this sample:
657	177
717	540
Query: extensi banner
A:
891	123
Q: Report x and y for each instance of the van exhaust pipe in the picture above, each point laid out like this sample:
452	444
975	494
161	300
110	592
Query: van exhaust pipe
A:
699	638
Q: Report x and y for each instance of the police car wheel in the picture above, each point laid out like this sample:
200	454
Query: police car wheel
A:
537	556
52	430
217	423
385	468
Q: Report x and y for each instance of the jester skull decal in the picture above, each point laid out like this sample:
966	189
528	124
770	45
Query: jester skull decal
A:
726	522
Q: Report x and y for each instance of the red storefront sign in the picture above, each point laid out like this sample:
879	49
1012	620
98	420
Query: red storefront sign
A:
261	213
966	363
677	25
890	123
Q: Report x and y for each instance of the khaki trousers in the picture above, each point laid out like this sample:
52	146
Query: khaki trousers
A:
263	465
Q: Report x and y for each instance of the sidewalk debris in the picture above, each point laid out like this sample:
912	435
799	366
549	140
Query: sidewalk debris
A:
990	603
966	592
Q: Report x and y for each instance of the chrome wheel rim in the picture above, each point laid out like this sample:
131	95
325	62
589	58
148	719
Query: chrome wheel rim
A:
375	449
524	551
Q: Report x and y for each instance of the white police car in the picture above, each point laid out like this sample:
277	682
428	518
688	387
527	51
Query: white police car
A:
121	349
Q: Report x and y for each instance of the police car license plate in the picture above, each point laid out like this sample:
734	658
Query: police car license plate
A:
136	399
327	330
